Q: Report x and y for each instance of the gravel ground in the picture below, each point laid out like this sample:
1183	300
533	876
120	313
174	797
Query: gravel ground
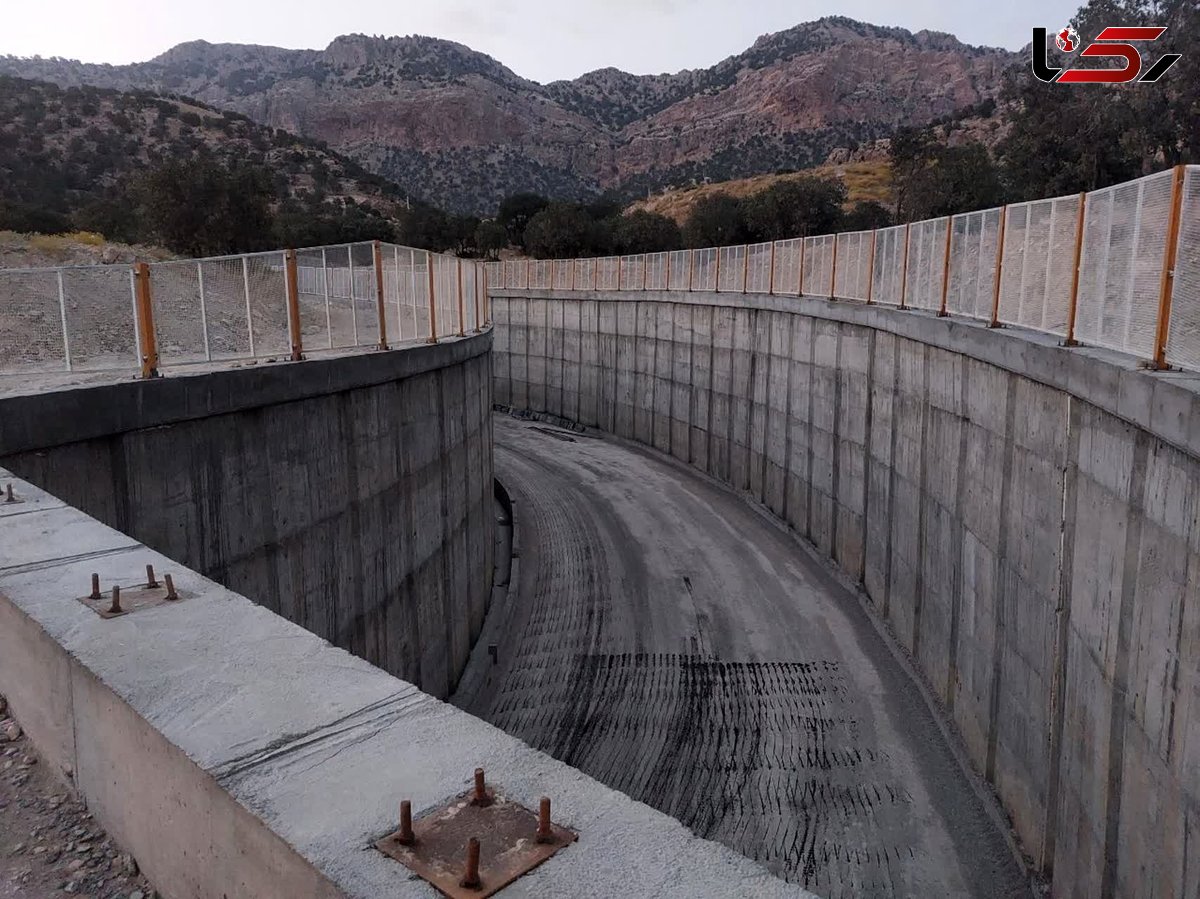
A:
49	843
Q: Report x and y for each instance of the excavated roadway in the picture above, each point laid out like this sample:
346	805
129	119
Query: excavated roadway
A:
668	639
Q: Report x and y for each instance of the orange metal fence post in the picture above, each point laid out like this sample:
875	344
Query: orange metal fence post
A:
553	266
691	268
667	286
800	269
645	269
771	277
478	282
487	300
432	300
871	269
718	282
995	322
942	313
147	337
904	269
1078	259
377	252
746	269
528	268
574	266
833	269
461	317
293	304
620	272
1167	281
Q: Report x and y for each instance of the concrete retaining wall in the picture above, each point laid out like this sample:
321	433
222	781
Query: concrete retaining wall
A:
1023	516
352	494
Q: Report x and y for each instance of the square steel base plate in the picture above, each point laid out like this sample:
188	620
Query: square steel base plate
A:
132	599
507	846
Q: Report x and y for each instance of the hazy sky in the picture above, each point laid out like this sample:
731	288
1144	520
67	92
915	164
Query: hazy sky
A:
539	39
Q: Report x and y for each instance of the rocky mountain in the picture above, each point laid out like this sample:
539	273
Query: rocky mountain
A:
464	131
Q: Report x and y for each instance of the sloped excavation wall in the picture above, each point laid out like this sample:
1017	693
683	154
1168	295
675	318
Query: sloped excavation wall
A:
1023	517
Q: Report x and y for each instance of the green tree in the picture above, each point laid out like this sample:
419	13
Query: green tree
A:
645	232
491	238
517	211
931	179
200	208
558	231
716	220
797	207
867	215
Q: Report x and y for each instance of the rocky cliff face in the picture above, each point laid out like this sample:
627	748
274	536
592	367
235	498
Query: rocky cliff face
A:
460	129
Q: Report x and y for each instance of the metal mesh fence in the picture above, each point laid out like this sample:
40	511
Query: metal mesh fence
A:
887	272
973	249
540	272
704	269
731	269
34	337
1183	336
758	268
786	276
1039	254
852	280
818	265
657	272
608	273
926	263
1123	242
679	267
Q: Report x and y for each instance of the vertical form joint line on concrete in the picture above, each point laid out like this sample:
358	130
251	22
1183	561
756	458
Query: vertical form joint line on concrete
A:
293	304
1167	279
377	255
148	339
1077	260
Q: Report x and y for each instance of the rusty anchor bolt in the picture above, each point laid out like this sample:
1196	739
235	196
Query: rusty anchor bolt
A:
115	608
150	581
405	836
544	833
8	494
95	594
470	878
480	796
171	594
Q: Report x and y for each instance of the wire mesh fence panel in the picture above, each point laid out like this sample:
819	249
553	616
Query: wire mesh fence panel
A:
561	275
679	264
852	279
731	266
704	269
33	333
265	283
630	272
758	268
365	289
419	290
180	313
926	263
101	329
495	275
887	273
1039	254
445	281
818	265
1123	241
608	273
586	274
976	236
786	275
315	301
539	274
1183	336
657	270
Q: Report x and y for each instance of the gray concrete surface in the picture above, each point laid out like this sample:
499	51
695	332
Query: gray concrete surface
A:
236	754
351	493
1022	516
672	642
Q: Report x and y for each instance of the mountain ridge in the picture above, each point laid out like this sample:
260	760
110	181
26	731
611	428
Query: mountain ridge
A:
464	130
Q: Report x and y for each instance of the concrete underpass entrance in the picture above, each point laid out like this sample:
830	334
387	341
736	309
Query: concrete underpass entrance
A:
671	641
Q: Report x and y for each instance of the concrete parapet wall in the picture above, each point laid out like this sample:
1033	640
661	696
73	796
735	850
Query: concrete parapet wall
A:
236	754
1023	516
350	494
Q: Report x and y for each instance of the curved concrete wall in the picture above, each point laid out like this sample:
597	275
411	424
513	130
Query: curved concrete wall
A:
1023	516
351	494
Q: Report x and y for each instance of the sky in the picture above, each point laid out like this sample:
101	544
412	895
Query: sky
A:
544	40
